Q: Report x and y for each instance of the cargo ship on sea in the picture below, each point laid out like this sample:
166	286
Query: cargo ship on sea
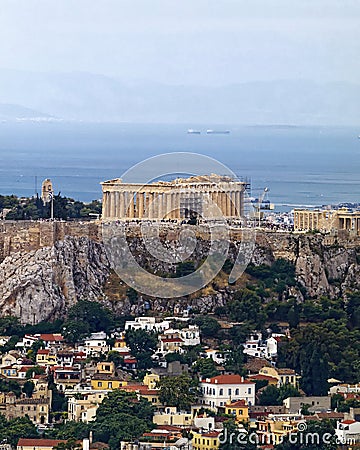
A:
217	131
191	131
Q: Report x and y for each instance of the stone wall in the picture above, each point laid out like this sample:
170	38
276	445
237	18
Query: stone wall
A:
19	236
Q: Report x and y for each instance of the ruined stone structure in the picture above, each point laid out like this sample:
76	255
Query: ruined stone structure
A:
46	190
327	220
177	199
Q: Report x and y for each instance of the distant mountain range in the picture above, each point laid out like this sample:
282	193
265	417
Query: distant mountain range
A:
17	112
91	97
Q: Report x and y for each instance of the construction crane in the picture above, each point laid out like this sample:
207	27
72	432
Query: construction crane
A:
259	205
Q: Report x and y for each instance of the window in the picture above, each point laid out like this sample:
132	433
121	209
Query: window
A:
229	391
221	391
249	390
99	384
236	391
110	384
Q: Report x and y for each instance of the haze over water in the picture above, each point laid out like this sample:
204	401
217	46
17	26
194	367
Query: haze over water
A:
300	165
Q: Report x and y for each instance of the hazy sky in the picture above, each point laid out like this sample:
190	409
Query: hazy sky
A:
184	41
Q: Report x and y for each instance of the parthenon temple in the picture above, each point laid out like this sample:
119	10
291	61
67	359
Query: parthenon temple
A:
177	199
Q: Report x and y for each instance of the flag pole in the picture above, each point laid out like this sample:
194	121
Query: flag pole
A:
52	206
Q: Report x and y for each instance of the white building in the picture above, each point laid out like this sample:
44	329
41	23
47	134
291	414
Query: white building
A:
254	346
189	335
348	432
83	408
95	344
147	324
219	390
272	345
26	342
217	356
345	389
204	422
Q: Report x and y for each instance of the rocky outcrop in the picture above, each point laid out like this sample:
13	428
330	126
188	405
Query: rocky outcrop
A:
41	283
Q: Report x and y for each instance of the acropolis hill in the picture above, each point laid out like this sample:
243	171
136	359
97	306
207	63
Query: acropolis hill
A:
47	266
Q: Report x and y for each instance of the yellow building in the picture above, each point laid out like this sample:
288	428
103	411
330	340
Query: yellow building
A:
45	358
273	429
83	409
106	368
151	380
239	409
206	441
172	417
105	382
151	395
284	376
9	372
37	409
120	343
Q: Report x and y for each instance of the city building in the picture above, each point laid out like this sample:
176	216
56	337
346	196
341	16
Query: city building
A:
348	431
209	440
83	407
284	376
220	390
147	324
39	444
238	409
294	405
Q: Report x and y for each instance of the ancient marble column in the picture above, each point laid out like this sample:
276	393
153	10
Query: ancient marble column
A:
140	204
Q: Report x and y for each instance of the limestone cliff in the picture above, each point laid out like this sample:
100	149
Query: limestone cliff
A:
41	284
43	273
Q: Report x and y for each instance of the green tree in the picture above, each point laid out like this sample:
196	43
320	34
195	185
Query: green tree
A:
11	430
142	345
205	367
235	360
96	316
209	326
28	388
272	395
36	370
75	331
70	444
120	407
179	391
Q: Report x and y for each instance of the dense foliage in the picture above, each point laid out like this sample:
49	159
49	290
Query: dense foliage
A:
33	208
180	391
119	407
10	430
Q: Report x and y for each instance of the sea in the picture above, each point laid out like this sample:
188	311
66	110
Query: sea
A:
300	166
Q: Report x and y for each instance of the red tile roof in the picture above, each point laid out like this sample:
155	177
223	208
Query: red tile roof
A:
237	404
227	379
262	377
39	442
212	434
51	337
